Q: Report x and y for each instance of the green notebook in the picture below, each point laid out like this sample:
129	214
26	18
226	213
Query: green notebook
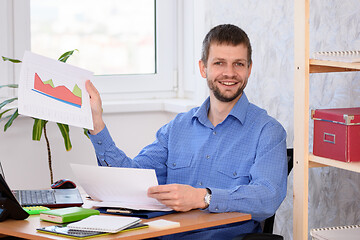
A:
69	214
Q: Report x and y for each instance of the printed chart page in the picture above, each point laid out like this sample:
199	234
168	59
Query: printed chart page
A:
54	91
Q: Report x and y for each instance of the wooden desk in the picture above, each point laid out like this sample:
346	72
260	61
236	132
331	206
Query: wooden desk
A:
192	220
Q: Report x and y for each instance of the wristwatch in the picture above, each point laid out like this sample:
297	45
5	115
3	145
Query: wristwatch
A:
207	198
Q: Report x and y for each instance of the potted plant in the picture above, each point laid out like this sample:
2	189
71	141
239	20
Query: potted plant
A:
11	113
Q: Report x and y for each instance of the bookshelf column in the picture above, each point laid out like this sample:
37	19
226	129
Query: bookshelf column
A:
301	119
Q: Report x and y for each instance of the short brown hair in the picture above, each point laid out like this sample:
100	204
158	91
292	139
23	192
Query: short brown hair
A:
226	34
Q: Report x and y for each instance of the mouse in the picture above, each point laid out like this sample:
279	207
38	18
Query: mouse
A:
63	183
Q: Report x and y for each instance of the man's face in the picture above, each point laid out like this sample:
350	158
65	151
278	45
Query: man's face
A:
227	71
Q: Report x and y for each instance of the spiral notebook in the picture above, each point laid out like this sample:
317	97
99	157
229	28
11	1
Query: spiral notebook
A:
351	232
100	223
341	56
63	230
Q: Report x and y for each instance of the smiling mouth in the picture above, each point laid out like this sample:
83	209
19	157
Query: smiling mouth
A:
228	83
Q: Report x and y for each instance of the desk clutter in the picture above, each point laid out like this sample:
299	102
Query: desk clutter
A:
80	222
83	223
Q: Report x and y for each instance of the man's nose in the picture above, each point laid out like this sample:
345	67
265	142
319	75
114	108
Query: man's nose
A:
229	71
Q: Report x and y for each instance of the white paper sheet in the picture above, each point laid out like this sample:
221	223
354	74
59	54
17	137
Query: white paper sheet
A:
54	91
119	187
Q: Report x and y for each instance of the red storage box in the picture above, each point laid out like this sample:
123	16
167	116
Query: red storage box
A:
337	133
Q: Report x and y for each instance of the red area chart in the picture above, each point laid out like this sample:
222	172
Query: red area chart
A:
60	93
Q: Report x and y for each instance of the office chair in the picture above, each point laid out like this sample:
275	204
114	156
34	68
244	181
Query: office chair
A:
269	222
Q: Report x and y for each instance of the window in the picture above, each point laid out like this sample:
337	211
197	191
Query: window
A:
153	81
114	37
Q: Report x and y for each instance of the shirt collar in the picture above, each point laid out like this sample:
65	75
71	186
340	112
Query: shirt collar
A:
238	111
202	113
240	108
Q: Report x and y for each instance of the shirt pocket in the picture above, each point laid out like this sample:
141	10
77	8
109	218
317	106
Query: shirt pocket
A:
179	169
179	161
234	176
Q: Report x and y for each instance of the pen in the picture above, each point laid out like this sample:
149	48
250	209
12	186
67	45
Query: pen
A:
112	210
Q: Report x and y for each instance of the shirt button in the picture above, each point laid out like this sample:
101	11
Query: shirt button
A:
99	142
217	209
214	132
174	164
207	156
234	174
200	183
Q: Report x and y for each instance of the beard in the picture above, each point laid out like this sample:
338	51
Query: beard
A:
222	96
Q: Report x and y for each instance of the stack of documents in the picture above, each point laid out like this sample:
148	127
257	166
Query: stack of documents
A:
119	187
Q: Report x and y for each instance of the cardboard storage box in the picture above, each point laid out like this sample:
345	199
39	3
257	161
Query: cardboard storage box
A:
337	133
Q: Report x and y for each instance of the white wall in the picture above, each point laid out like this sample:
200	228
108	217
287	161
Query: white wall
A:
25	161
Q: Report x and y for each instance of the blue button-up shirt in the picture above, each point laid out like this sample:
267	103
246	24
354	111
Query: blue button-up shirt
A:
242	161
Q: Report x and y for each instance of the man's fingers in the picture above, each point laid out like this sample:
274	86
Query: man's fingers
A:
90	88
163	192
163	189
162	196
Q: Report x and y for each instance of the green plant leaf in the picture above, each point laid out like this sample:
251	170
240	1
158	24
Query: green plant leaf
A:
10	86
7	101
12	118
1	114
86	132
38	129
11	60
65	56
64	129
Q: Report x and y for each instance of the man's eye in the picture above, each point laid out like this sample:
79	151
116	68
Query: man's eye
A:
240	64
218	63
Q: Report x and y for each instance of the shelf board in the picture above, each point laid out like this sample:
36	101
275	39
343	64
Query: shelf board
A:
353	166
321	66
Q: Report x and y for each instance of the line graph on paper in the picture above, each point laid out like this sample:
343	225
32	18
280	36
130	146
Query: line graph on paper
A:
54	91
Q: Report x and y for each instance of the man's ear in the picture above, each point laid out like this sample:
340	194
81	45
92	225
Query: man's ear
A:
250	67
202	68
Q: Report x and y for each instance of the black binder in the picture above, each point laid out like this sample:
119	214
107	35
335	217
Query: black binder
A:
136	213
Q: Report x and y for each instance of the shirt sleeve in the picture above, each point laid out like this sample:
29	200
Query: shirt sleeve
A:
268	179
152	156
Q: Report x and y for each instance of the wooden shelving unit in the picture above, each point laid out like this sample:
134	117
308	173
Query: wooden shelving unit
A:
303	160
319	66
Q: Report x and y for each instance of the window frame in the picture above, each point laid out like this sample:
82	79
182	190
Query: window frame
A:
161	84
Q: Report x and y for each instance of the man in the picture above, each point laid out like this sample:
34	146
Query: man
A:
226	155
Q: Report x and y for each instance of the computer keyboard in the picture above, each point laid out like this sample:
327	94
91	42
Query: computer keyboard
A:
37	197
